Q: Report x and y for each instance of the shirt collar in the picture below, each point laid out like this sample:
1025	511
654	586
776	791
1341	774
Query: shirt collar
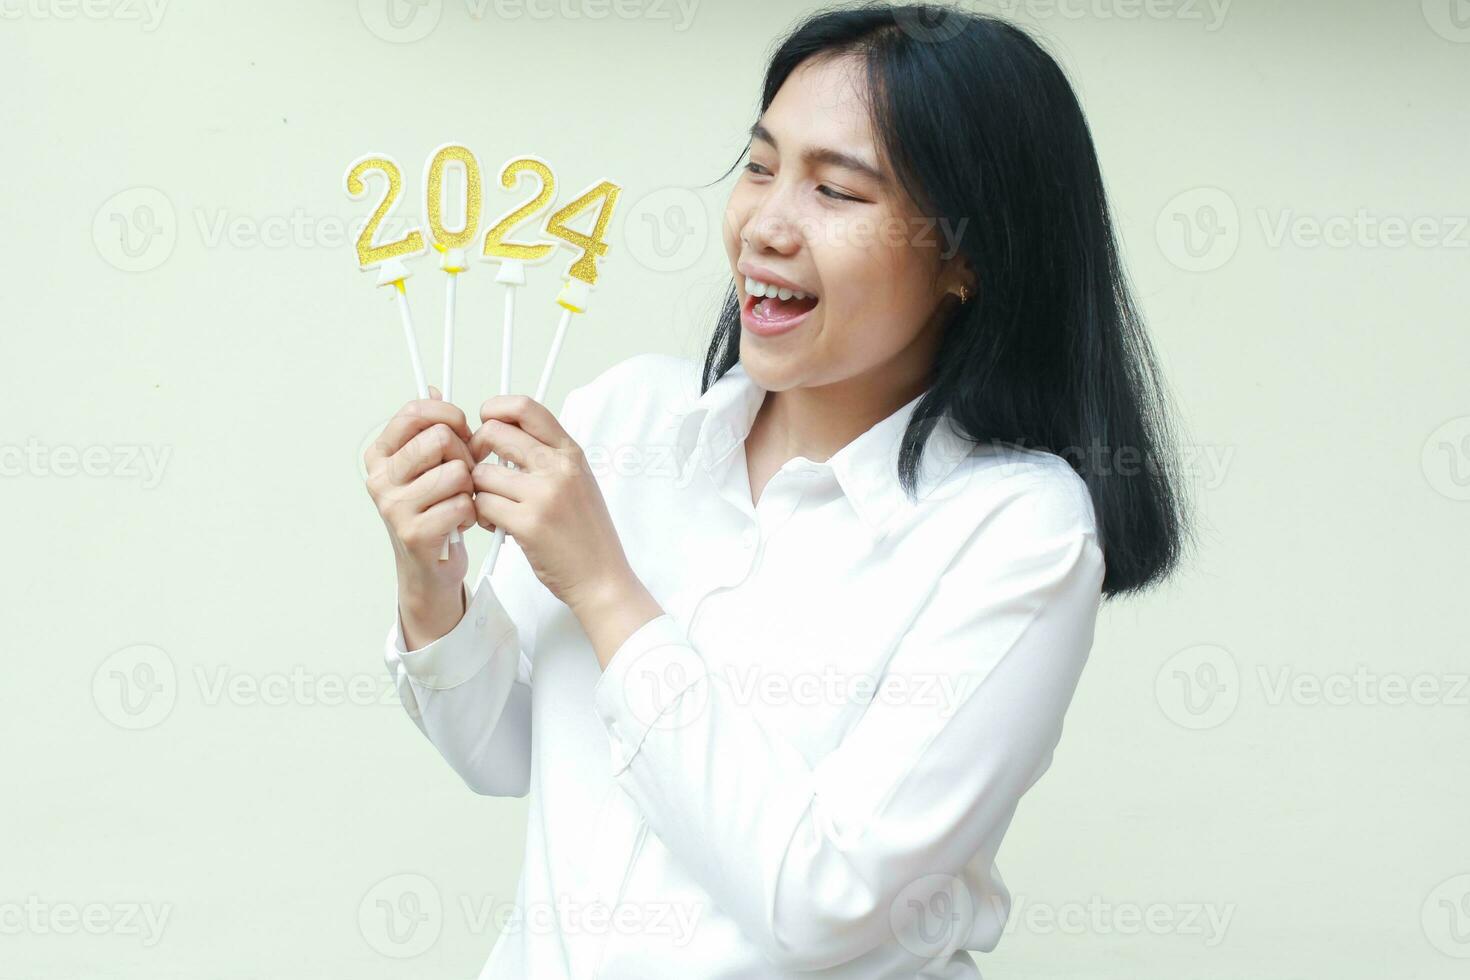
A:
717	422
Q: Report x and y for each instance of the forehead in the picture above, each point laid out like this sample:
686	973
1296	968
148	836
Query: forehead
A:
823	102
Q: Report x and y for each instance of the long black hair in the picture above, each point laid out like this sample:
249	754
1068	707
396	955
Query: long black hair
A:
984	132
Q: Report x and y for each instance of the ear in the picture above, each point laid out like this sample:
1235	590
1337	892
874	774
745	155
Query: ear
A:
959	272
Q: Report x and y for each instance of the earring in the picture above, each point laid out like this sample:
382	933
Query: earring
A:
964	293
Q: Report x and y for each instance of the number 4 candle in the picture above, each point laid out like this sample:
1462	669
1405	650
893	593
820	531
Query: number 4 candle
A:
581	276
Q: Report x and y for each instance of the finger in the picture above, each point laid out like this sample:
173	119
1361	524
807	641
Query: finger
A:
530	415
435	393
501	481
493	511
436	444
434	486
412	419
510	442
429	529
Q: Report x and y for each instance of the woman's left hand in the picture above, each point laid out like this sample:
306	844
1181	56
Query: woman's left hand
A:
551	505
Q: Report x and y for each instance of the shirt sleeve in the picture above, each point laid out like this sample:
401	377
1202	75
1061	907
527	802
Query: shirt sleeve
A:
469	692
822	863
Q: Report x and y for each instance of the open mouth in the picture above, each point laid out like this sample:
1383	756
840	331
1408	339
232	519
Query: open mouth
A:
769	308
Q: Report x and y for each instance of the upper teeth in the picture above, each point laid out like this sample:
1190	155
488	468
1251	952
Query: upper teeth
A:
757	288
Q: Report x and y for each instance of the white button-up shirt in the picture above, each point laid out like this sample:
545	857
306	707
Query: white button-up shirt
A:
807	765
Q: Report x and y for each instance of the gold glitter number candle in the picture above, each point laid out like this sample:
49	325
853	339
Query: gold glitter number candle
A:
388	254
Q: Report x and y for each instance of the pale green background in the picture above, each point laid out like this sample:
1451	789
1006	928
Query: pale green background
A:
1322	388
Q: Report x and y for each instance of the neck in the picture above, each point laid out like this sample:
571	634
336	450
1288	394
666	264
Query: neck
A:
818	420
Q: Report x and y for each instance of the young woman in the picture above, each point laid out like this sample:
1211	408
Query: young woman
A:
777	643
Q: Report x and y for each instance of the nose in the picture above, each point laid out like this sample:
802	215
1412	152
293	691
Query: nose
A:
769	228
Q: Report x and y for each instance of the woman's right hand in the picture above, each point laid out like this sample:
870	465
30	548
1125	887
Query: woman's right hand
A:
419	478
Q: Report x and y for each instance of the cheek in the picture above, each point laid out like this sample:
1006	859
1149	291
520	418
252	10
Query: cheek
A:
737	212
877	285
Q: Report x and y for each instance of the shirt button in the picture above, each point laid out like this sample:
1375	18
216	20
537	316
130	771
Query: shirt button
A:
747	538
480	621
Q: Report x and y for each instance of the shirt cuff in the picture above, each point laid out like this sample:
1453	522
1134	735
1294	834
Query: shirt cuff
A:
462	652
645	684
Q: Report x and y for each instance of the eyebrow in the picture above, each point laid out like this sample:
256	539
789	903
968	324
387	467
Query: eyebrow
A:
827	155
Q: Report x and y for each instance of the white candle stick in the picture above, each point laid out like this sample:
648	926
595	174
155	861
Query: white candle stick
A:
448	376
541	386
451	243
411	338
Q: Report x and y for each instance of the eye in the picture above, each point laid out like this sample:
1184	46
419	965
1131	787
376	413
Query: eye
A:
836	196
754	167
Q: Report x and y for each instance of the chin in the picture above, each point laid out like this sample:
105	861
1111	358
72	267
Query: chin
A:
768	369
